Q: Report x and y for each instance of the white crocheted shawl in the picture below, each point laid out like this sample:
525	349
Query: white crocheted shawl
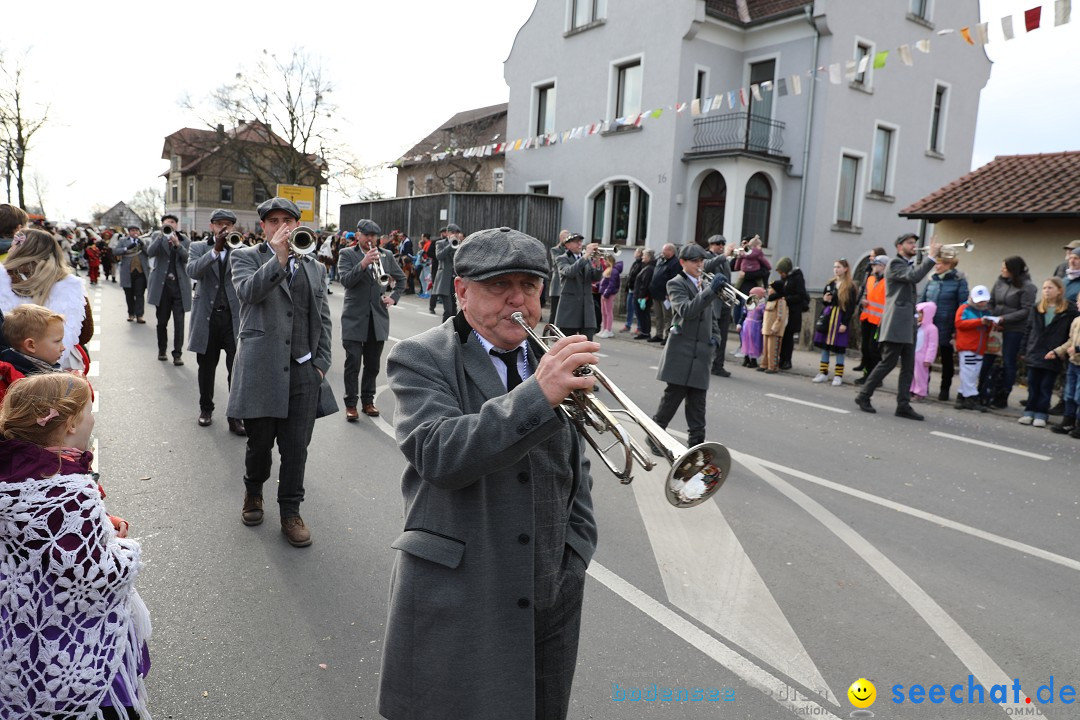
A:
68	298
70	619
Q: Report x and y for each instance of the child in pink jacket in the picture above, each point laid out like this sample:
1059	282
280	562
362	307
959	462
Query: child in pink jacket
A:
926	346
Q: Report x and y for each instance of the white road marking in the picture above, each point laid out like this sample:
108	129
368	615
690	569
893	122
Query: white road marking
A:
94	460
922	515
654	367
707	573
1002	448
95	368
808	404
94	405
753	675
93	345
978	662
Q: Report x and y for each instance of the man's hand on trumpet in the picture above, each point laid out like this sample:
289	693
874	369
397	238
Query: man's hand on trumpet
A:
556	370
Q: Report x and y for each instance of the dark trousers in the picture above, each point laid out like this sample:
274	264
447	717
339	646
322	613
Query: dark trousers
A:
449	306
787	343
1040	391
587	332
720	332
434	298
871	354
135	295
170	305
370	354
554	308
947	356
891	354
221	338
292	433
555	631
644	317
695	410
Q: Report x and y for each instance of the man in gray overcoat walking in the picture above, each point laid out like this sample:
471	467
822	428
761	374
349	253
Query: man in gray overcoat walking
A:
577	272
170	286
717	264
282	356
687	357
365	319
130	252
215	314
488	580
444	278
896	336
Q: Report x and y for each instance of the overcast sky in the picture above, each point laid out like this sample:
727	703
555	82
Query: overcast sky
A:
114	73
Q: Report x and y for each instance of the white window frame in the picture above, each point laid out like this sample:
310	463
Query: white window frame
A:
868	77
890	160
928	16
531	187
174	191
498	180
255	188
701	70
232	192
534	111
943	120
614	67
598	14
857	197
191	190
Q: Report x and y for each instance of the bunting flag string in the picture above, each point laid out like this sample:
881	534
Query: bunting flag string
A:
976	34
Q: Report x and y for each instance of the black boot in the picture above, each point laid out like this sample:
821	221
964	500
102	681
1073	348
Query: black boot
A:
1065	426
944	394
746	361
961	402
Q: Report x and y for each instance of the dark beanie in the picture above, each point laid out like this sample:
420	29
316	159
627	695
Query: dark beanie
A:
784	265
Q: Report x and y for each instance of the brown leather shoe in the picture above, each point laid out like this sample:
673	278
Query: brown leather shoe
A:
236	427
351	415
252	514
177	360
295	531
204	418
370	410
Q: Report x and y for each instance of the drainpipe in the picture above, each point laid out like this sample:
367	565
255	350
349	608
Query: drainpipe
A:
806	140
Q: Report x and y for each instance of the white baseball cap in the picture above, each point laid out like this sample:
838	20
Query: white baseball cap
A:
979	293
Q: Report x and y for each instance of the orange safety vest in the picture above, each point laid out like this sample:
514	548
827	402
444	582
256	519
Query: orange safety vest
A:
875	300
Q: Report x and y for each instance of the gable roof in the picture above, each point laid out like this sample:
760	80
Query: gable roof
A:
195	145
760	10
1009	186
493	117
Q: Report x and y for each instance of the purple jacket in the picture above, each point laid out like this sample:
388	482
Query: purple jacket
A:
610	285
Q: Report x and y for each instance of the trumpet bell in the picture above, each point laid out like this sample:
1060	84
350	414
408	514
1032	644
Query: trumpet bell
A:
234	241
697	474
302	241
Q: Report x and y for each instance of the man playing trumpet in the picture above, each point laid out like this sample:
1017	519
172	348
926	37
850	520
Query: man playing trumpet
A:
215	313
498	506
578	271
282	355
365	319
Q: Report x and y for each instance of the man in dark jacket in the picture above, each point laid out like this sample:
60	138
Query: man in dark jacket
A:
641	294
798	302
666	268
717	264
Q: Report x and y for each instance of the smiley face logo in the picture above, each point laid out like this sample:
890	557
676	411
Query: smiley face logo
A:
862	693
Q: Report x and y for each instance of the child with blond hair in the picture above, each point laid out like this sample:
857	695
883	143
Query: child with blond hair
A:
67	581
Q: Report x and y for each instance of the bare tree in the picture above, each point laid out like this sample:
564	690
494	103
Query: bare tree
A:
449	164
149	205
20	120
40	186
97	210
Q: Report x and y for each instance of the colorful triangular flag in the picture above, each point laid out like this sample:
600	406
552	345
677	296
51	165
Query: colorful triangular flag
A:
695	107
923	45
1062	12
905	55
879	59
982	33
850	68
796	84
835	76
1032	18
657	113
966	33
731	99
755	90
1007	27
742	97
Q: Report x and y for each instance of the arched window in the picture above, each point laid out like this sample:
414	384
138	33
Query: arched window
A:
617	217
757	208
712	198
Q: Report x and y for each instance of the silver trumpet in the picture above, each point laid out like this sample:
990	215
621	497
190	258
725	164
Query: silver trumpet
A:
381	276
235	240
302	241
953	250
696	473
729	295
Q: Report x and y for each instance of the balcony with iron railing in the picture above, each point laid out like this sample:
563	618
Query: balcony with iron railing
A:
737	133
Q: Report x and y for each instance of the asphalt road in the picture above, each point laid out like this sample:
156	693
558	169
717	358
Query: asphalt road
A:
844	546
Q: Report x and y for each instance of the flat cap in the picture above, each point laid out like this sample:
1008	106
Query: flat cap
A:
717	240
1073	245
904	236
168	215
134	227
693	251
368	227
498	251
453	228
278	203
223	214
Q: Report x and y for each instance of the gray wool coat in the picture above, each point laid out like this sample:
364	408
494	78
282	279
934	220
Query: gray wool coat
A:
209	273
444	279
901	279
687	356
159	251
363	295
118	247
260	384
459	635
576	306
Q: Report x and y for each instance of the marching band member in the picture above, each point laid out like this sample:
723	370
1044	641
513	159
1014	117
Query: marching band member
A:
130	251
498	510
445	248
282	355
215	318
365	319
577	272
170	286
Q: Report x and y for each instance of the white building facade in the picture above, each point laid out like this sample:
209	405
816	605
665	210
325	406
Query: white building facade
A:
818	174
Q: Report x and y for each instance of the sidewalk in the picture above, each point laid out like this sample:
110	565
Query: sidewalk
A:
806	363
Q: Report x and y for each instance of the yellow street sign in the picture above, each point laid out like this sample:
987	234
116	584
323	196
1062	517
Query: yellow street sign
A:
304	198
